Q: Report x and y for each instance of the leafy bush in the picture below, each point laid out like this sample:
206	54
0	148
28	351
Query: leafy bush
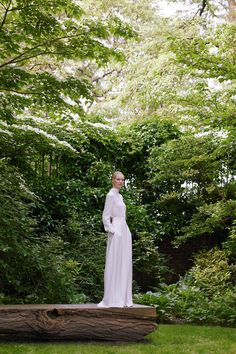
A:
189	304
149	264
32	268
16	227
57	274
204	295
86	243
212	272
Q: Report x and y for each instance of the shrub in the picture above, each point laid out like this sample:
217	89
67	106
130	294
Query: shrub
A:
212	271
204	295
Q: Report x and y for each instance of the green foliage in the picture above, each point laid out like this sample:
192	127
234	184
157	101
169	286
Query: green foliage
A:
56	228
54	274
209	218
217	61
183	303
186	160
193	177
230	244
212	272
41	41
16	225
86	244
139	140
57	158
36	37
44	88
208	76
204	295
149	263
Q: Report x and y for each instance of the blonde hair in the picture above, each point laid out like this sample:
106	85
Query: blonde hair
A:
114	174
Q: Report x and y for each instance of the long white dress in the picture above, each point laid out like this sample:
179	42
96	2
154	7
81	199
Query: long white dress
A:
118	268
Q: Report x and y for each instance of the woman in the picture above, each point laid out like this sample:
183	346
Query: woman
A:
118	268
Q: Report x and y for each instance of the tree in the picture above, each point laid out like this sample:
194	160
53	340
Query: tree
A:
147	84
43	46
36	37
207	98
43	90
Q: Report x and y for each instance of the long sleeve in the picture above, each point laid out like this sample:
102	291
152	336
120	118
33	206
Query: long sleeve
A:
107	214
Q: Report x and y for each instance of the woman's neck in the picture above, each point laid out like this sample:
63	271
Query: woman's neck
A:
116	189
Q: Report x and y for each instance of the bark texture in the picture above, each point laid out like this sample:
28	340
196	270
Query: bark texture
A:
87	321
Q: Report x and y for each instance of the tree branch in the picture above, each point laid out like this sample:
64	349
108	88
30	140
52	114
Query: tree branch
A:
3	5
201	10
33	66
104	93
96	79
35	56
21	8
5	14
15	60
20	92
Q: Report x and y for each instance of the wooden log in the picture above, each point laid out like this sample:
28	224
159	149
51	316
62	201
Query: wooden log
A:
87	321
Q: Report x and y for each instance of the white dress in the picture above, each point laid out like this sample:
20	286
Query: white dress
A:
118	268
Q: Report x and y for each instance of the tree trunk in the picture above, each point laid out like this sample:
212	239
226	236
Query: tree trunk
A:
231	16
87	321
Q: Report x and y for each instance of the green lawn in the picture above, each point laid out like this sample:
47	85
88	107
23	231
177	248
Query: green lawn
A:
168	339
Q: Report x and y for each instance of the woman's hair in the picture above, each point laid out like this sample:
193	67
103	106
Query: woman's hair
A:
114	174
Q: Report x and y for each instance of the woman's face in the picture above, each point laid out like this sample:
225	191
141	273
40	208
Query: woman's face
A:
118	180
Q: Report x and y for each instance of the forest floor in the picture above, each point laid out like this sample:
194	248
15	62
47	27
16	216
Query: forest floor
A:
167	339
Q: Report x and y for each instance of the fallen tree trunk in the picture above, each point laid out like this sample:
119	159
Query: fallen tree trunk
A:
87	321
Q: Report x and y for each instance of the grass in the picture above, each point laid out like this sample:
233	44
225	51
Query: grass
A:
167	339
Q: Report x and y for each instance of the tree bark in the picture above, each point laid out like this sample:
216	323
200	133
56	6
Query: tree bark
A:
231	16
87	321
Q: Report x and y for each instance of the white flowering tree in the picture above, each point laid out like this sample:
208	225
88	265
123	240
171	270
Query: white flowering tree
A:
45	46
